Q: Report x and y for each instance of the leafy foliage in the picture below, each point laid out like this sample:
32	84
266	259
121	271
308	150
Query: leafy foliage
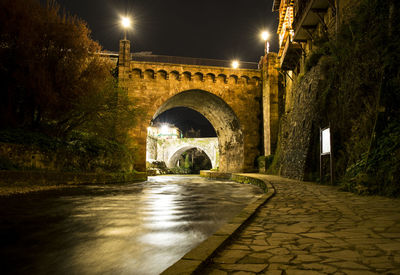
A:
53	78
323	49
362	96
58	92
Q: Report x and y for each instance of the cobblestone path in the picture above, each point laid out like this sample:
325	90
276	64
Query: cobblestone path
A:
308	228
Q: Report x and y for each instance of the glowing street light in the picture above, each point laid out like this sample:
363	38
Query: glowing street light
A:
235	64
165	129
265	36
126	24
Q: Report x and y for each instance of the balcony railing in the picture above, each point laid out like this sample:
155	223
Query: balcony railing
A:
309	13
290	54
300	9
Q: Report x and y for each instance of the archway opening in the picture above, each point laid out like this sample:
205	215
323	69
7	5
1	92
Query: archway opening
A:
190	161
223	119
191	123
180	140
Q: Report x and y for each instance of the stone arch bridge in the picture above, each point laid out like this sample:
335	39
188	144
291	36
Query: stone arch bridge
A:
170	150
229	98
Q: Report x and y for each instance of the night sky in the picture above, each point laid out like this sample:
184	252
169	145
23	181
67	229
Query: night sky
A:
217	29
220	29
186	119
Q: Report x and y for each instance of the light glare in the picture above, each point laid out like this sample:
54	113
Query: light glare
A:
126	22
235	64
164	129
265	35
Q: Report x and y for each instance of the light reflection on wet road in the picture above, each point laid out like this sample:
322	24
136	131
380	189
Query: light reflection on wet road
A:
139	228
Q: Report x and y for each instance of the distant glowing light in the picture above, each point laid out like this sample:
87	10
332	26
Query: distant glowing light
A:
235	64
164	129
265	35
126	22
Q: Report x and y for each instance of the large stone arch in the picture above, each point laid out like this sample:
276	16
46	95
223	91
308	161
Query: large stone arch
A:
173	159
222	117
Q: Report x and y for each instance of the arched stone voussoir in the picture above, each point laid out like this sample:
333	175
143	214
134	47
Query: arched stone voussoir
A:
172	161
223	119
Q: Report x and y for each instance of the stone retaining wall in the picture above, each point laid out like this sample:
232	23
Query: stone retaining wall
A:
297	153
18	178
241	178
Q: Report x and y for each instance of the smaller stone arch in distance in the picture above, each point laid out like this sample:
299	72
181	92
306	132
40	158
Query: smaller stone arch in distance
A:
174	75
244	79
221	78
232	79
210	77
173	159
221	116
186	76
198	77
148	74
162	74
137	73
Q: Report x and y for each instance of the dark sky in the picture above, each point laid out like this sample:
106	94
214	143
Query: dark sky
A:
186	119
220	29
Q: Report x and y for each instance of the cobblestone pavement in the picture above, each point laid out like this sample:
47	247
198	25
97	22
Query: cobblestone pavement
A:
308	228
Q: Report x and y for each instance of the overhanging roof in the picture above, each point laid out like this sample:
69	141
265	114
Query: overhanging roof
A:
275	5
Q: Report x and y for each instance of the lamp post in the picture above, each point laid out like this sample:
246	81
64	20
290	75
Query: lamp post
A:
265	36
124	46
126	24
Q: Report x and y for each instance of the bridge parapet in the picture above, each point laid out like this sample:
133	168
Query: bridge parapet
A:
194	73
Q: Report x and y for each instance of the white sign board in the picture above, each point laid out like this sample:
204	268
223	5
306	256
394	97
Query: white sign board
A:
326	141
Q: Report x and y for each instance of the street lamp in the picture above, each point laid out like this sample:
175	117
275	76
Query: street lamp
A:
126	24
235	64
265	36
165	129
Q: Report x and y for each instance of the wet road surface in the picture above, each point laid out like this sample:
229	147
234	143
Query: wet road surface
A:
139	228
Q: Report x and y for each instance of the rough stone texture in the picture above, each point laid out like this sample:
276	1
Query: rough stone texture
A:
169	150
215	174
229	98
299	131
27	156
314	229
31	157
151	148
270	76
14	182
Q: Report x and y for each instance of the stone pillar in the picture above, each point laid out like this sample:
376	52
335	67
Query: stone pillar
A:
270	77
124	59
124	53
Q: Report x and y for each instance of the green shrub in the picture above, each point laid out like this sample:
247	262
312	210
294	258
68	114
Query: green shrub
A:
181	170
26	137
315	55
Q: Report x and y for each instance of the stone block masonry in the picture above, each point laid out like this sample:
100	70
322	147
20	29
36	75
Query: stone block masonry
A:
229	98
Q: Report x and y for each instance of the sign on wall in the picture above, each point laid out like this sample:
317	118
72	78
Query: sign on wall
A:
326	141
325	149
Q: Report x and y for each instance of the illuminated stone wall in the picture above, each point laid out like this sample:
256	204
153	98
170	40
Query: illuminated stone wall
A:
298	147
169	150
229	98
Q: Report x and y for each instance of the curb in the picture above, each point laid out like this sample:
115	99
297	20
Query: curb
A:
193	261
